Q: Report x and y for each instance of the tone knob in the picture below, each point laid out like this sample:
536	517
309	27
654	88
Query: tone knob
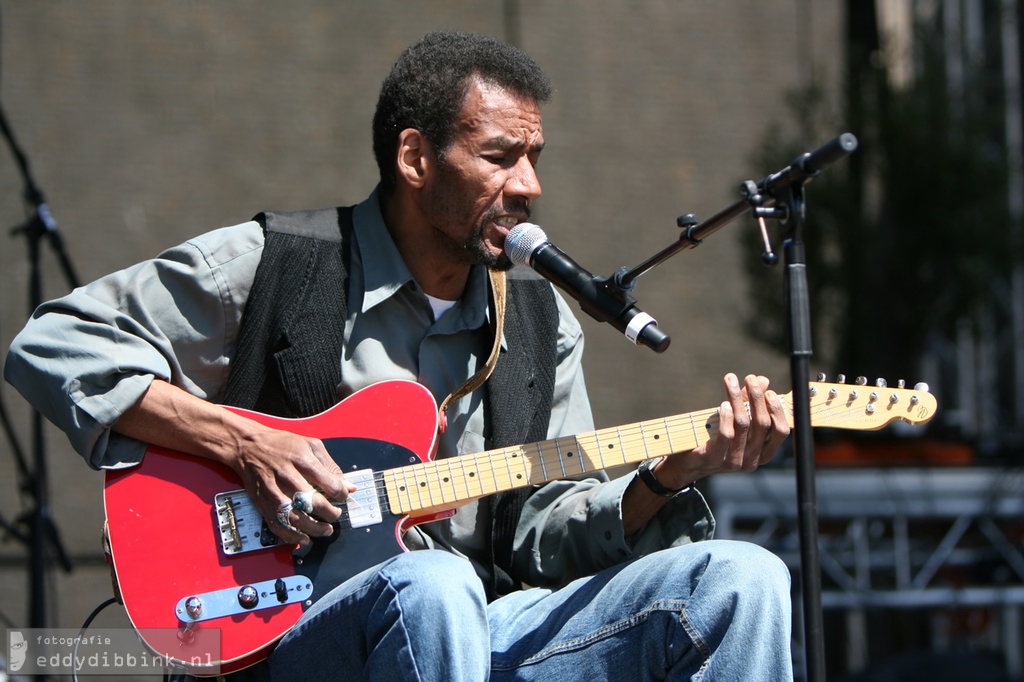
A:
248	597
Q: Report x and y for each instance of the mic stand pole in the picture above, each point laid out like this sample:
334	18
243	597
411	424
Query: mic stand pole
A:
798	336
42	529
781	196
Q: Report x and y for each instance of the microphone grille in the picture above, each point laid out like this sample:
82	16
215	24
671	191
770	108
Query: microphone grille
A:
522	241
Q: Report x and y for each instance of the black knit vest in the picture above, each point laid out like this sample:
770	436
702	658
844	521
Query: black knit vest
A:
287	359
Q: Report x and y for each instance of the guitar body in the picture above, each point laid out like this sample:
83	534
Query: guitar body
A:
166	544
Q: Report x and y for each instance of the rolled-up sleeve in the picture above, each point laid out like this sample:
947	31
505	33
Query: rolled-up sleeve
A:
84	359
572	528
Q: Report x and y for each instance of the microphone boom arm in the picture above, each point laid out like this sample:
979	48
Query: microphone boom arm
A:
803	169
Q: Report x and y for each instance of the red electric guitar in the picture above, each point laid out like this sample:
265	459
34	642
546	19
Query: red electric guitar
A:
210	588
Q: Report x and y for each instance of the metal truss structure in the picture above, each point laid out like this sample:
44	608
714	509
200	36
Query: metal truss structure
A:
939	539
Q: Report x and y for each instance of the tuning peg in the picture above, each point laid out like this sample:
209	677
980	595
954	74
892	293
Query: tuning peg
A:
821	376
861	381
840	378
881	383
921	386
901	384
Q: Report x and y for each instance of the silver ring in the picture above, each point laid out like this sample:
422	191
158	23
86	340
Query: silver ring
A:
303	502
283	512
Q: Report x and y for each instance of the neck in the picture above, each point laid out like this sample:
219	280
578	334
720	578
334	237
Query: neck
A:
436	272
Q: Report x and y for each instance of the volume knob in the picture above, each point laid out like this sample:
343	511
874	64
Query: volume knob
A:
194	607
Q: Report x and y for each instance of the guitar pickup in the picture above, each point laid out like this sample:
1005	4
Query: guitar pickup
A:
363	506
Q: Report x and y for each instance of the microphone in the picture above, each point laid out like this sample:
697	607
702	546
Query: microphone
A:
526	244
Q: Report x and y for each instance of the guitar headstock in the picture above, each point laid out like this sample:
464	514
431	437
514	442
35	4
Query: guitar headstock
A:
863	407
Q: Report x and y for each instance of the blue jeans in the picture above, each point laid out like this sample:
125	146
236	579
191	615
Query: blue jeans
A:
714	610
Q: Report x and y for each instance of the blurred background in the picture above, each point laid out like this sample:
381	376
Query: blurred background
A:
144	123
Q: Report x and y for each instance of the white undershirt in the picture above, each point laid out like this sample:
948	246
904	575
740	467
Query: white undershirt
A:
439	306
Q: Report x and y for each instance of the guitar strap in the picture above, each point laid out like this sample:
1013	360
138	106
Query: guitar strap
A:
498	283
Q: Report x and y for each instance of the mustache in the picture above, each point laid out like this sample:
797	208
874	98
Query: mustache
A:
520	210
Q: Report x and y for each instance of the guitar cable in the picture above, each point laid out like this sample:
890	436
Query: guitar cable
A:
169	676
81	633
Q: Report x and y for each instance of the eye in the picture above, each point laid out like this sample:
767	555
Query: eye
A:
500	159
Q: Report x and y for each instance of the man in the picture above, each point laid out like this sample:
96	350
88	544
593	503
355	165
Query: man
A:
253	315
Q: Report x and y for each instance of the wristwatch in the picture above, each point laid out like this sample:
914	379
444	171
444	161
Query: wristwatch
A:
646	474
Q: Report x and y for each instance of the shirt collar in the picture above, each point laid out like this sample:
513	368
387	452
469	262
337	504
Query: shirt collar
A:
390	274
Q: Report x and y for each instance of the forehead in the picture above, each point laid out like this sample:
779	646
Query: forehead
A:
489	109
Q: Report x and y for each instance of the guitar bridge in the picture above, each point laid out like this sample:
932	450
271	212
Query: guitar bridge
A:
242	528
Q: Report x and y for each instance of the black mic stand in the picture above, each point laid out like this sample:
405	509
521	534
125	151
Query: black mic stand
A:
41	529
780	196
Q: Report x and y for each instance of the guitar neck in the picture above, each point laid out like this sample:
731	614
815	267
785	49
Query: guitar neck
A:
451	482
440	485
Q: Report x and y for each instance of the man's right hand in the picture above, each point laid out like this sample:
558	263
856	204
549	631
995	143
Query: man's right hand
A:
274	466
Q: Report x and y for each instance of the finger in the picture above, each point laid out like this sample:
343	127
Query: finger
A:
280	518
727	447
324	474
760	421
313	527
315	504
740	420
780	425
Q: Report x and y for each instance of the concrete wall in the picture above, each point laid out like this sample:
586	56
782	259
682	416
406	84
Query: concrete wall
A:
148	122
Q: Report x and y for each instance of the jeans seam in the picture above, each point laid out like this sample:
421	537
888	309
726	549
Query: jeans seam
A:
396	600
602	633
698	642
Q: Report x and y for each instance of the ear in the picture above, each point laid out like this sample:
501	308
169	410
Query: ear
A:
415	157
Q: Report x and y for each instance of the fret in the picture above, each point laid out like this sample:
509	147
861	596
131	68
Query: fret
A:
431	485
623	449
400	482
668	434
600	451
446	481
585	452
543	466
693	427
561	459
522	477
465	476
646	440
512	456
494	475
419	485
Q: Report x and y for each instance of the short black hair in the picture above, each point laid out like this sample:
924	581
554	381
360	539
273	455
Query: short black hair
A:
426	87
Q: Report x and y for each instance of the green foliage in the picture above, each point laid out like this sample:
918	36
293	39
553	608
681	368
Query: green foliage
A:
905	236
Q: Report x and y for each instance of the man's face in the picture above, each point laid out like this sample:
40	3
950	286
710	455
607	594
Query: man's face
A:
18	650
486	178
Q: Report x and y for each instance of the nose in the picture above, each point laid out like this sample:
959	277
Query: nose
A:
523	181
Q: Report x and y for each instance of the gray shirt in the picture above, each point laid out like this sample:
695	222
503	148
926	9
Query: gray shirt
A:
84	359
